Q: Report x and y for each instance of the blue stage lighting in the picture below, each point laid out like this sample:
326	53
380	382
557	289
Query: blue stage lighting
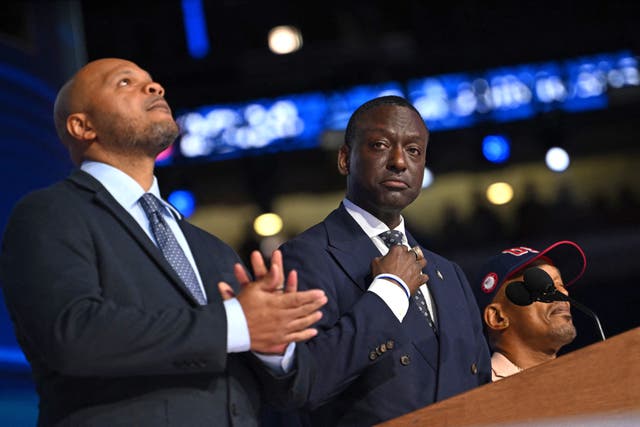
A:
496	148
195	27
184	201
12	356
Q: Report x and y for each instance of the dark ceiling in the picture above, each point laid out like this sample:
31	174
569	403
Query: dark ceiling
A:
348	42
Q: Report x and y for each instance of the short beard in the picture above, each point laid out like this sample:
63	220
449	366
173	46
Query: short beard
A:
123	135
564	334
157	137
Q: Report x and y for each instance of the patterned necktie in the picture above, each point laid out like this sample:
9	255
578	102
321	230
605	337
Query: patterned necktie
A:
394	237
170	247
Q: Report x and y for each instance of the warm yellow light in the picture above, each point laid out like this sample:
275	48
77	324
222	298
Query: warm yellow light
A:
499	193
284	39
267	224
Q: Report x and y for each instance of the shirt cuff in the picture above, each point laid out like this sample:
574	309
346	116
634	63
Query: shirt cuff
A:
279	364
238	338
393	295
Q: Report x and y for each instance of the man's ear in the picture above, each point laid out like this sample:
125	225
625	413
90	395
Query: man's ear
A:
80	128
495	318
343	160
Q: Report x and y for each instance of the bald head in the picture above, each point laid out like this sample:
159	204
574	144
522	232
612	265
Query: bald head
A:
62	109
71	96
112	105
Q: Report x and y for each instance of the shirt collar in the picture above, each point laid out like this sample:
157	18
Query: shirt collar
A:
502	366
371	225
122	187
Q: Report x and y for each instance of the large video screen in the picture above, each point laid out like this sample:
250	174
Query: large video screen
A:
452	101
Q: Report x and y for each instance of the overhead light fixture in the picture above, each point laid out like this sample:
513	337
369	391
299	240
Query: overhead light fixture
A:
267	224
284	39
427	179
557	159
499	193
496	148
184	201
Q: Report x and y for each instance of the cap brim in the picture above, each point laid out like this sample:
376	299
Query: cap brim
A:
567	257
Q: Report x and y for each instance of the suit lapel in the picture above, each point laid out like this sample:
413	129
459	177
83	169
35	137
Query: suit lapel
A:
352	249
210	266
104	199
435	282
428	345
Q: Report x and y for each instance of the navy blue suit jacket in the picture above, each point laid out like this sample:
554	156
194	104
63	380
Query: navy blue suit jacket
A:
112	334
372	367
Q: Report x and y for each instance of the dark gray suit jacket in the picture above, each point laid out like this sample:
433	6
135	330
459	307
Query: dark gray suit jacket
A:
112	335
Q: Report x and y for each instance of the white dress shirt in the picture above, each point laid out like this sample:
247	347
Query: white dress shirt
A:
393	296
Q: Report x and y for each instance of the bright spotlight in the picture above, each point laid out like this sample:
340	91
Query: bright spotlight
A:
557	159
427	179
496	148
499	193
284	39
267	224
183	201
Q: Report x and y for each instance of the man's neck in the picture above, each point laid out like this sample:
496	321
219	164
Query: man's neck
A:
137	167
391	218
524	356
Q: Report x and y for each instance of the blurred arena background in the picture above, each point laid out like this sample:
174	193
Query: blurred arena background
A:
542	99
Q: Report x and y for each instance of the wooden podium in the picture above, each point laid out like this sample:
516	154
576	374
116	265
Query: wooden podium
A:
601	381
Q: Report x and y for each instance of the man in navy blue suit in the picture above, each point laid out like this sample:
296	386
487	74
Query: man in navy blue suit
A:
401	329
128	314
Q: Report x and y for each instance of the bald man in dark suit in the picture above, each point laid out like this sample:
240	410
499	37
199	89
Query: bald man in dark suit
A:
128	314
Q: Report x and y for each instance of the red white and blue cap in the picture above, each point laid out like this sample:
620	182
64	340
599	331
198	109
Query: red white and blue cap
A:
565	255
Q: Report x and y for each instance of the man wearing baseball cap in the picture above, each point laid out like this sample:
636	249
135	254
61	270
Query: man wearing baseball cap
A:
521	337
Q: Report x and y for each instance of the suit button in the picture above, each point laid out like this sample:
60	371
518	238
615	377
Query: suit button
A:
390	345
383	347
474	368
405	359
373	355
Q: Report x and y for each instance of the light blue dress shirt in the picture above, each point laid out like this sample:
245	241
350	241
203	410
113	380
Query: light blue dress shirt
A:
127	192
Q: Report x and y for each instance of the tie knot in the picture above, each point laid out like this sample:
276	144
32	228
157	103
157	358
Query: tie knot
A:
391	237
149	203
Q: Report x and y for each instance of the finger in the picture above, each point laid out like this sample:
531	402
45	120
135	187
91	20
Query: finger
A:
303	335
302	310
226	291
300	323
276	258
292	282
258	265
273	279
241	274
299	299
397	248
417	252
